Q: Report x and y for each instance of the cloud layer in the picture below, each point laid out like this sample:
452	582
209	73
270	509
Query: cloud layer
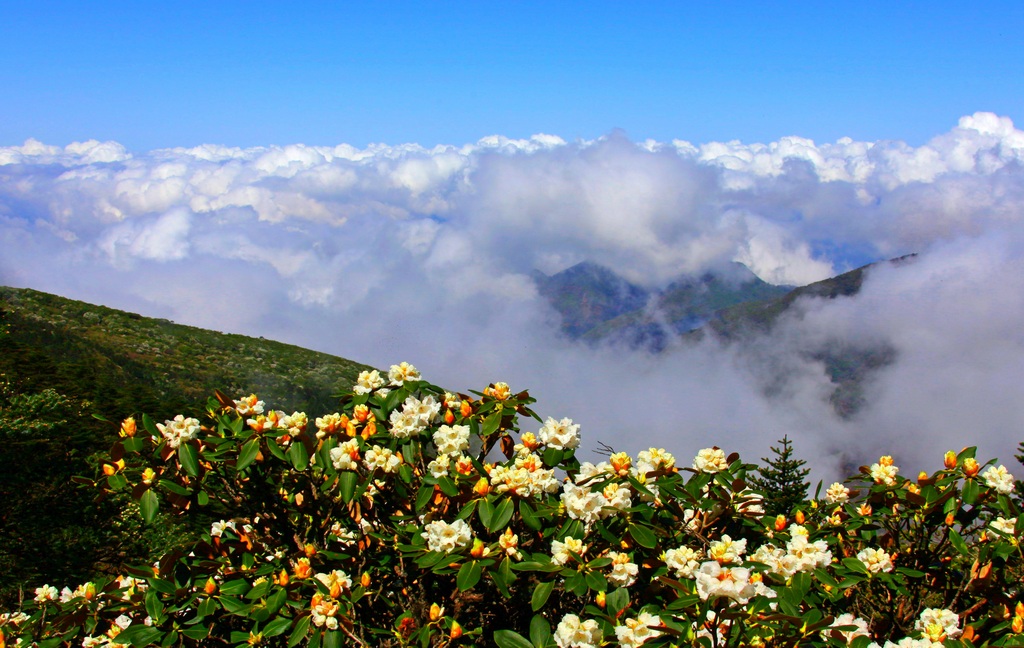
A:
402	252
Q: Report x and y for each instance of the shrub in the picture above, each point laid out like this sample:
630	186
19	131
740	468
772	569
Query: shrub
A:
413	516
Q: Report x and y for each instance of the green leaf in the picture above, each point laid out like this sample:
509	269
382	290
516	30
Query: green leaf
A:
149	504
854	564
139	634
300	631
530	516
235	587
552	457
511	639
154	607
234	606
188	459
448	487
203	498
617	600
958	543
297	455
347	484
643	536
971	490
150	426
491	424
502	514
134	445
275	449
332	639
117	481
541	594
469	575
540	632
423	497
596	581
198	632
248	454
485	511
277	627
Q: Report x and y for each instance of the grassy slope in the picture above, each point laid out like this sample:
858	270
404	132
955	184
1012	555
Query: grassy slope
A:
125	363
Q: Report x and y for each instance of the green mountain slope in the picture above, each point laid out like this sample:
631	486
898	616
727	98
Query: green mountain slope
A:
124	363
64	361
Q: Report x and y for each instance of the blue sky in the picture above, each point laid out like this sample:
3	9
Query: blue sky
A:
153	75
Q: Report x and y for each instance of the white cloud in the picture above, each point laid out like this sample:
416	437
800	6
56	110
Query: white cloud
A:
402	252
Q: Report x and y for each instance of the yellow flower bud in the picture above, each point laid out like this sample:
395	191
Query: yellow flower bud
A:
449	417
211	586
364	580
799	517
128	427
601	600
1019	609
949	460
482	487
971	467
780	522
456	630
148	475
465	409
1018	624
435	612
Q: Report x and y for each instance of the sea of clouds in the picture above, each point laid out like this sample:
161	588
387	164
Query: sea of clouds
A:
396	253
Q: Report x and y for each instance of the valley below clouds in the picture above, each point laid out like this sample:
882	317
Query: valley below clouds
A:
399	252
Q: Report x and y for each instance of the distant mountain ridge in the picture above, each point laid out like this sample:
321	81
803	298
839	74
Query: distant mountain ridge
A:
596	304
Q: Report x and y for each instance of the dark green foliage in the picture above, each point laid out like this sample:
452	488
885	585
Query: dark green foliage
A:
61	363
782	479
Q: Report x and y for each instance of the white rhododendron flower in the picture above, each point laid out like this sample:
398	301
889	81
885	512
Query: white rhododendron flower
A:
323	611
589	471
710	460
439	466
618	497
345	456
178	429
737	583
910	642
1004	525
624	571
653	459
451	439
575	633
876	560
634	632
249	405
727	550
998	479
218	528
383	458
884	472
441	536
563	435
582	504
367	381
335	579
402	372
46	593
837	494
509	543
683	561
860	628
560	550
938	624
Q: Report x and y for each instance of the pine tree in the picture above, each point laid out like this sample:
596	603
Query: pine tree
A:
781	479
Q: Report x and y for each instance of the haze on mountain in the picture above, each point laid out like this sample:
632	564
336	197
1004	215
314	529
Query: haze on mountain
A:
393	253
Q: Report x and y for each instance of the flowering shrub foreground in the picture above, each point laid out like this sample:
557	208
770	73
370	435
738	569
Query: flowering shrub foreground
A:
390	523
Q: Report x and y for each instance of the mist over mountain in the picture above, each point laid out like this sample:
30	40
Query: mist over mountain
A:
390	253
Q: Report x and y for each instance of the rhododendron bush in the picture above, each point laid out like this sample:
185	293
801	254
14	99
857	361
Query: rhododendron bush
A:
417	517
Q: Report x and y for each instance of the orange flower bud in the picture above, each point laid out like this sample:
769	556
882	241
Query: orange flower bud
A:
479	549
361	413
309	550
921	476
148	475
601	600
482	487
456	630
864	509
350	429
799	517
128	427
211	586
780	522
1019	609
971	467
950	519
449	417
335	590
949	460
282	579
370	429
621	463
465	409
299	498
108	470
302	569
435	612
1018	624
